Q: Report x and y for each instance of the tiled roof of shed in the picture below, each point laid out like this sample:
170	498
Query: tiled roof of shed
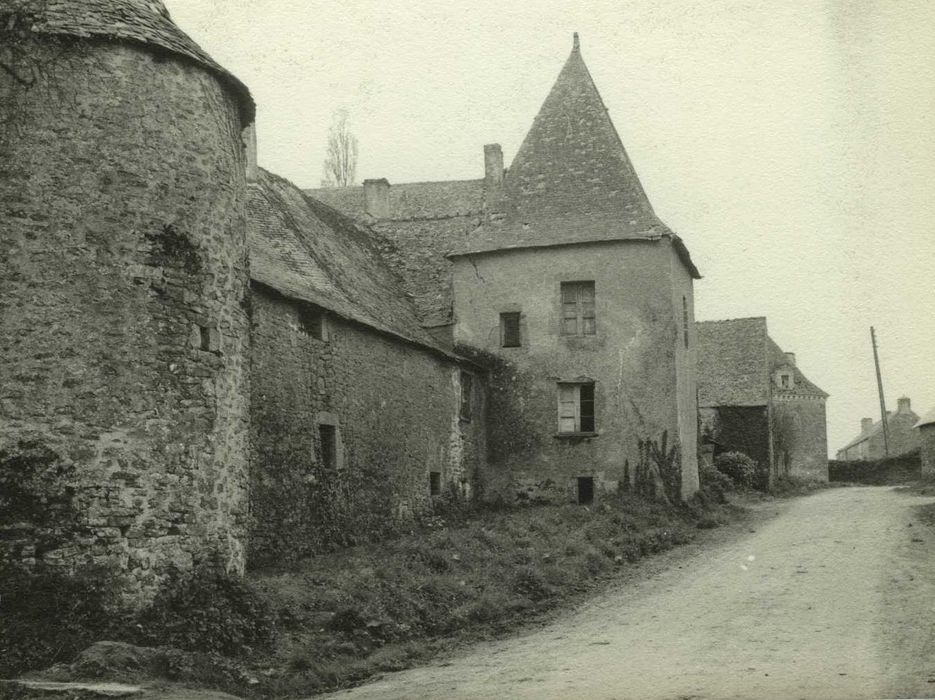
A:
136	21
801	385
732	362
412	200
306	250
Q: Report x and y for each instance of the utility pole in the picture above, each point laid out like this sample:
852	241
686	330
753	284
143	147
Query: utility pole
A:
876	362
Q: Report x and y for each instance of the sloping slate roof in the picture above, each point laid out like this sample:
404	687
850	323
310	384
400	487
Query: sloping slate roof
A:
877	428
136	21
572	161
571	180
411	200
927	419
306	250
802	386
732	362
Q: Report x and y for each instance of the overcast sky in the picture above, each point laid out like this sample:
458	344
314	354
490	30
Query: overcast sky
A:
791	144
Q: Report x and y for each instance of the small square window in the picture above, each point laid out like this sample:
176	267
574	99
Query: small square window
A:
509	329
576	408
467	398
578	314
312	321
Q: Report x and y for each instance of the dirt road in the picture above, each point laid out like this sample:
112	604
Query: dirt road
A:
833	598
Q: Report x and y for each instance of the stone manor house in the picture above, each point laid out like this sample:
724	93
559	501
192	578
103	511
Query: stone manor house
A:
201	362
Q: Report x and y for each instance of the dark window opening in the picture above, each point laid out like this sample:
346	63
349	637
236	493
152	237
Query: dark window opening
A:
509	329
209	339
576	408
467	404
435	483
578	315
585	490
685	319
312	321
205	338
328	438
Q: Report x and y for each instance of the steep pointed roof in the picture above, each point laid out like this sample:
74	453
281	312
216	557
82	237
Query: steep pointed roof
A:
571	180
572	160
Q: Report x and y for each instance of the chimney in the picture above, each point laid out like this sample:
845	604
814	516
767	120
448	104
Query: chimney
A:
903	405
493	165
377	198
249	140
790	358
866	424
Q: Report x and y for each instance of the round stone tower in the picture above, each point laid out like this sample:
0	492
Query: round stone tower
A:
123	282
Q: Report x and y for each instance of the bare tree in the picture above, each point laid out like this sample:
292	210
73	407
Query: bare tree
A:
340	168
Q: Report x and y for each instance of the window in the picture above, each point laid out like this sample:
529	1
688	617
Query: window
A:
327	435
578	308
312	321
435	483
467	407
209	339
585	490
785	381
576	408
685	320
509	330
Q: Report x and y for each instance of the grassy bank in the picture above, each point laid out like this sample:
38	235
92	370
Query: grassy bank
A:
339	618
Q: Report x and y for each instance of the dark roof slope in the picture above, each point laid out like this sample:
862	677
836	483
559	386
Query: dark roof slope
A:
411	201
908	419
571	180
306	250
144	22
732	362
801	385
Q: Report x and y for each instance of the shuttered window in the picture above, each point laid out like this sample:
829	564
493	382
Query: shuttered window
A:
509	329
578	317
576	408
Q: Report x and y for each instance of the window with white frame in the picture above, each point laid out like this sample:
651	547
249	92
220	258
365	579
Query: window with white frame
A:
575	407
578	316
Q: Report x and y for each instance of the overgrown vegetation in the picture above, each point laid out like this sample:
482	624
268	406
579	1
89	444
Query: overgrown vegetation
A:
738	467
338	618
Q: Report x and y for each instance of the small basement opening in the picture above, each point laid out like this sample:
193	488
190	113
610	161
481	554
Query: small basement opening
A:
329	446
585	490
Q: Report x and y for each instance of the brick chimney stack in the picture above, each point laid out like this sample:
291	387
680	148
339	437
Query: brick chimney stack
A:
493	165
377	198
866	424
790	358
903	405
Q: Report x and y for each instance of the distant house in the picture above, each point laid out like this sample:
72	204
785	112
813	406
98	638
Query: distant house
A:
753	398
926	428
869	444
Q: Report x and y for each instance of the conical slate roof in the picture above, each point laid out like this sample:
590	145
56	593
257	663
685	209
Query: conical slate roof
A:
571	180
572	161
145	22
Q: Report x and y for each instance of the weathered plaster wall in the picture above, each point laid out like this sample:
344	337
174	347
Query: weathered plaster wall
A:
927	452
122	255
396	410
632	360
800	442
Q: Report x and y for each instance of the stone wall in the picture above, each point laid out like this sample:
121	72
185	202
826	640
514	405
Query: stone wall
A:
927	448
631	360
395	411
800	438
123	401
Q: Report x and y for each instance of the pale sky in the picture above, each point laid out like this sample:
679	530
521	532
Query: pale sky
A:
791	144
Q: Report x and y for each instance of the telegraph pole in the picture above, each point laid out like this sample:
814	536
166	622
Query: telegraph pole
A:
876	362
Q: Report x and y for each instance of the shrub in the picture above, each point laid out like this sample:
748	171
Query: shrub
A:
207	611
714	483
48	617
738	466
